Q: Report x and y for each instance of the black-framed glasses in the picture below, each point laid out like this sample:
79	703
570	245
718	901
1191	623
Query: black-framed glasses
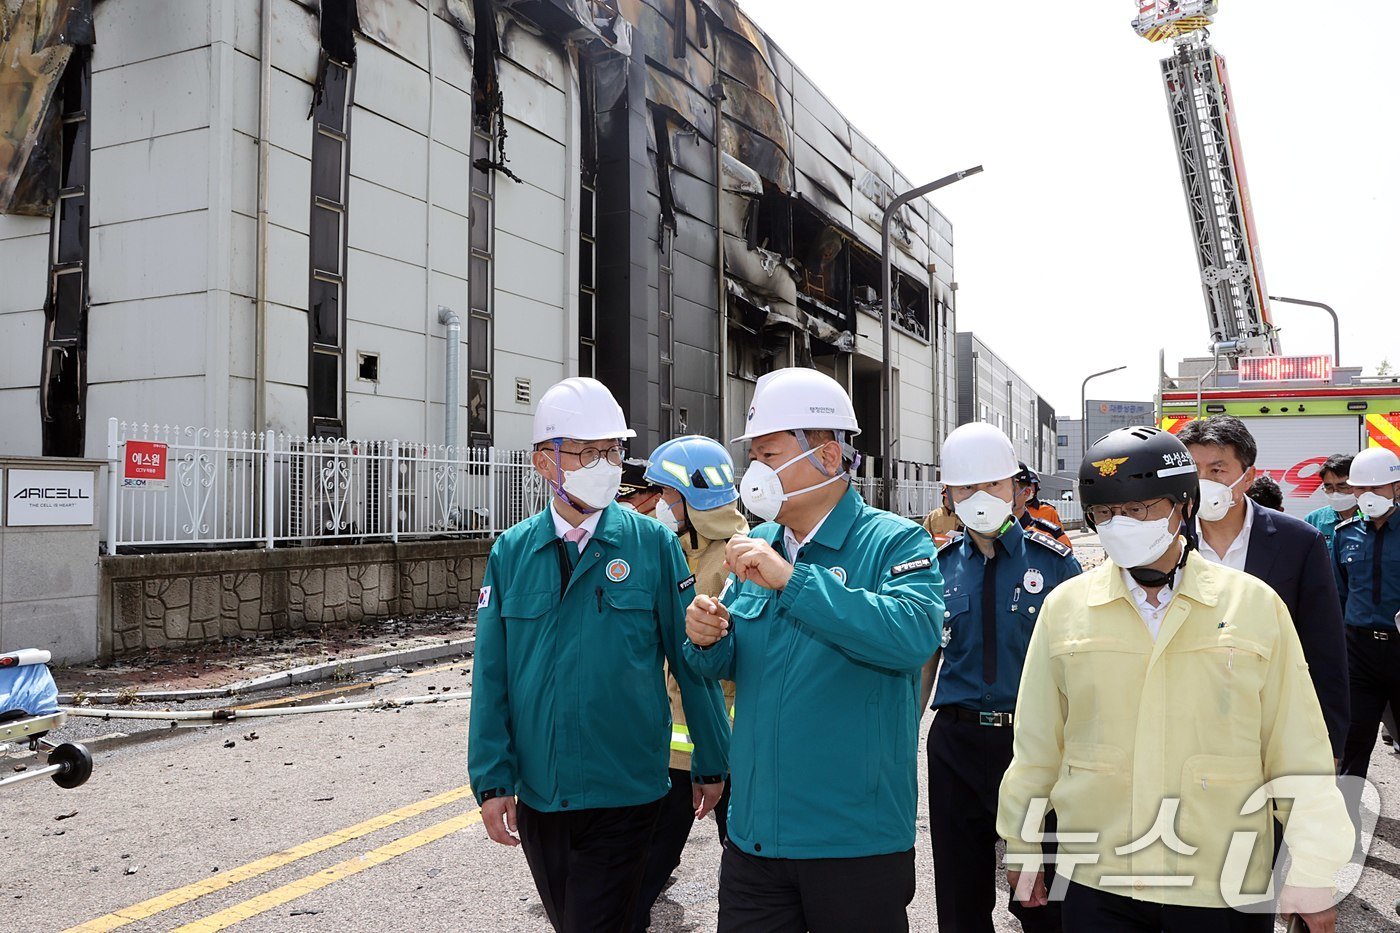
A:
589	456
1139	511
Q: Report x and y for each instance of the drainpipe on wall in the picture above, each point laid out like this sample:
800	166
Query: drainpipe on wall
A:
454	355
264	151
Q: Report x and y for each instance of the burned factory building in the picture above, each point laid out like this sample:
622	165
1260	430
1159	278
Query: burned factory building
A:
276	214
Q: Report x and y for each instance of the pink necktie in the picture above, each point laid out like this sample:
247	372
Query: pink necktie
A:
576	536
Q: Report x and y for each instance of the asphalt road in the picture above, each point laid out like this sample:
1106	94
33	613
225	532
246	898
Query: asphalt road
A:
348	821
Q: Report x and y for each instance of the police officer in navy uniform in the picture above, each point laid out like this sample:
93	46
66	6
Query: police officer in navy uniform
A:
1366	550
995	579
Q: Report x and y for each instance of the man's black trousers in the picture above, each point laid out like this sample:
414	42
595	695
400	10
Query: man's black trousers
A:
824	895
1089	910
966	762
588	864
672	832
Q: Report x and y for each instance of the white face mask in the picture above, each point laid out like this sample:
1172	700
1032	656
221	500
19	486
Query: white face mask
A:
1130	543
593	487
1217	499
983	512
666	515
1374	506
762	489
1341	501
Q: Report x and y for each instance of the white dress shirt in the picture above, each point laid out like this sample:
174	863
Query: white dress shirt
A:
1238	551
792	545
1151	615
589	525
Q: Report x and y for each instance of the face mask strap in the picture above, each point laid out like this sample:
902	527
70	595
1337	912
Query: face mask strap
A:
557	486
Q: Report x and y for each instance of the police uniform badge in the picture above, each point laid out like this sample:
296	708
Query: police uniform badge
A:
1033	581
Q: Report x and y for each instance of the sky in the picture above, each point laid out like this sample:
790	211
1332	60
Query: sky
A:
1073	251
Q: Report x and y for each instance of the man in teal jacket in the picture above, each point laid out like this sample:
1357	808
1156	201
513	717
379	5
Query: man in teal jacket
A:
570	722
830	613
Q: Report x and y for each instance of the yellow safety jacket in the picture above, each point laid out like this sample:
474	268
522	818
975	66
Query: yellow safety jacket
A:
1110	725
705	555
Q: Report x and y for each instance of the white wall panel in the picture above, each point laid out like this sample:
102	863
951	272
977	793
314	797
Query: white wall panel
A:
529	270
19	413
151	339
151	98
391	87
150	258
21	349
388	154
126	33
387	223
385	291
24	263
150	178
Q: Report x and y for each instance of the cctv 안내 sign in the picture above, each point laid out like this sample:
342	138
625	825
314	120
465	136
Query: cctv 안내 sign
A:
49	497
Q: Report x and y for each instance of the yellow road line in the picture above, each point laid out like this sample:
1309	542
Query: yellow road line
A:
315	882
190	892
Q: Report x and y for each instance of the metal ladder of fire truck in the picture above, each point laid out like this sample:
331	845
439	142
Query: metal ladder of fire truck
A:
1212	175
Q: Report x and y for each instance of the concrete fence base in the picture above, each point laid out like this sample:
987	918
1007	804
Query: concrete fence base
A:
158	600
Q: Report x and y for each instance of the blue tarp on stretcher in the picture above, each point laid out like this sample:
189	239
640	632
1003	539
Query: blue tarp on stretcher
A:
28	688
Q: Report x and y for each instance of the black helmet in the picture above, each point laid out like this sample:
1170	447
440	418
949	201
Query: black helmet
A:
1135	464
1026	476
633	477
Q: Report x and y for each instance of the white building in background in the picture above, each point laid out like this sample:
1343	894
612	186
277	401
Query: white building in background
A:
989	390
259	222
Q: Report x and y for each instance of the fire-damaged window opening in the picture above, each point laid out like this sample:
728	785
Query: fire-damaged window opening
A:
480	286
488	104
911	311
666	331
64	380
770	222
588	280
588	223
330	182
823	256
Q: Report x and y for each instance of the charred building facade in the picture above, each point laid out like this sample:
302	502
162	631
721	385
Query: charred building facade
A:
275	213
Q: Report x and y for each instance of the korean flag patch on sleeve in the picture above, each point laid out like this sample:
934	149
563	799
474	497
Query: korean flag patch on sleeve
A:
483	598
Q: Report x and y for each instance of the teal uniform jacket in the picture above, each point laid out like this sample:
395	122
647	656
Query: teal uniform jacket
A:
827	675
569	708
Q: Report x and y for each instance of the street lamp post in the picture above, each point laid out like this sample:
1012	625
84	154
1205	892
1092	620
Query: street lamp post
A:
887	281
1336	323
1084	409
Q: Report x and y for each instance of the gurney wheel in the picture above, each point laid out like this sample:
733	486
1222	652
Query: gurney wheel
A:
77	765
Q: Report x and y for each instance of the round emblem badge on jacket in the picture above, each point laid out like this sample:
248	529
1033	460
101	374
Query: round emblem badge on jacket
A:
618	570
1033	581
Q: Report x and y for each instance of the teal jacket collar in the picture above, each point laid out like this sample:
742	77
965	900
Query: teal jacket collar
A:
832	534
542	527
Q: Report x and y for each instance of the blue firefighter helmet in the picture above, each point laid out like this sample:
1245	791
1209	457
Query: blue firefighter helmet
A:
699	468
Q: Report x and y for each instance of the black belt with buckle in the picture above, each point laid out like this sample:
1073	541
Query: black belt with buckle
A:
1380	634
1374	634
980	717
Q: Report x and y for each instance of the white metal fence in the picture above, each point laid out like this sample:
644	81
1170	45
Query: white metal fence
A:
229	488
244	488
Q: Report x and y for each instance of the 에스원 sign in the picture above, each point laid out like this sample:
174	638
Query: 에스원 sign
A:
48	497
145	465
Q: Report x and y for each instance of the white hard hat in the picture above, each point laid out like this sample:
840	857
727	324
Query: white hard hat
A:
978	453
582	409
1375	466
799	399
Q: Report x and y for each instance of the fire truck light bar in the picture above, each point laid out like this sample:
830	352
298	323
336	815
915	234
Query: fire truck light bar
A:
1256	369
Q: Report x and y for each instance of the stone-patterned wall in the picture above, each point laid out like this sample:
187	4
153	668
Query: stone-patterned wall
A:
156	600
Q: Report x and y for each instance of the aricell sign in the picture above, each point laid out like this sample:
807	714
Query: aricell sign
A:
48	497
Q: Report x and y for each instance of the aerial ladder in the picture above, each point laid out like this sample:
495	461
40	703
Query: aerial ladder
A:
1213	177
